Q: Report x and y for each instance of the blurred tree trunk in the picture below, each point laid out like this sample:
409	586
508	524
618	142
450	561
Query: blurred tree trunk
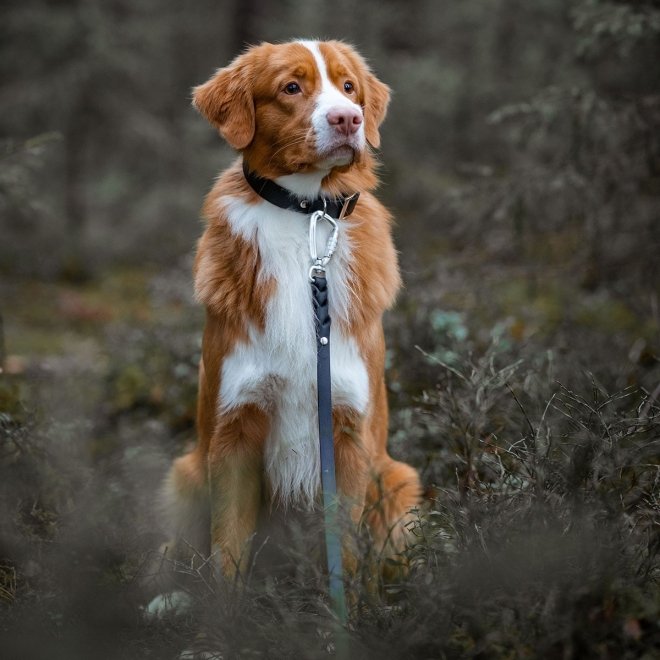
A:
246	14
3	350
76	136
505	39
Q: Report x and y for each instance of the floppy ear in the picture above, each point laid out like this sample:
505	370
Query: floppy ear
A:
377	97
226	101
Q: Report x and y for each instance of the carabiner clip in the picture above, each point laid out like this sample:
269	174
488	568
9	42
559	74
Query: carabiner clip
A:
319	263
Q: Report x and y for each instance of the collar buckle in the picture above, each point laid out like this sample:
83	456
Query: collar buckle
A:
348	205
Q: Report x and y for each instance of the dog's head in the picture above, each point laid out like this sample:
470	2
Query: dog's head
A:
296	107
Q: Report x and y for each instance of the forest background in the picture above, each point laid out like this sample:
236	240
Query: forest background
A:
521	159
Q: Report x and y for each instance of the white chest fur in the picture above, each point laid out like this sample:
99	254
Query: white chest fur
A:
276	368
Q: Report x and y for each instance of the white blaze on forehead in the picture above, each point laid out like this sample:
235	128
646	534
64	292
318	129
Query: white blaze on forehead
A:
328	98
328	90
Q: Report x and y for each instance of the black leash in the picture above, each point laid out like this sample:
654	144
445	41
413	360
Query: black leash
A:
324	394
326	442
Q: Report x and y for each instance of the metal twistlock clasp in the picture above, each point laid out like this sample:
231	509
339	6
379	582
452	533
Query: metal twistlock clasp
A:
320	262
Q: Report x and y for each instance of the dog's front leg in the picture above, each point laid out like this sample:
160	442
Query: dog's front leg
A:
235	474
352	477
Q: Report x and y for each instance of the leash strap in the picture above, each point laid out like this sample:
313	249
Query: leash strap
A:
327	445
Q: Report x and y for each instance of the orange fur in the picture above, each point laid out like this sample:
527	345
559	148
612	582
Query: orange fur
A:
244	102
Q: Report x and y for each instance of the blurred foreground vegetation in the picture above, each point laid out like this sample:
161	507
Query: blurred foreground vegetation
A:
521	156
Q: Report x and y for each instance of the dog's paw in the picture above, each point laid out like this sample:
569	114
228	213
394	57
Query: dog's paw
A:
171	604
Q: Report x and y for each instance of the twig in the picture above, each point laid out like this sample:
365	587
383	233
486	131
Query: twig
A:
524	412
437	360
649	402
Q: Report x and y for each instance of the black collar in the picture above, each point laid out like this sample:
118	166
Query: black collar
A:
275	194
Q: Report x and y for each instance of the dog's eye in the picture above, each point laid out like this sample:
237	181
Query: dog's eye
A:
348	87
292	88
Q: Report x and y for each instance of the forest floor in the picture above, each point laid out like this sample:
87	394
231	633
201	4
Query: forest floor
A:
527	397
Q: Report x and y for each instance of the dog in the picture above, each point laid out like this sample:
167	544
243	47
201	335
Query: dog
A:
305	117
